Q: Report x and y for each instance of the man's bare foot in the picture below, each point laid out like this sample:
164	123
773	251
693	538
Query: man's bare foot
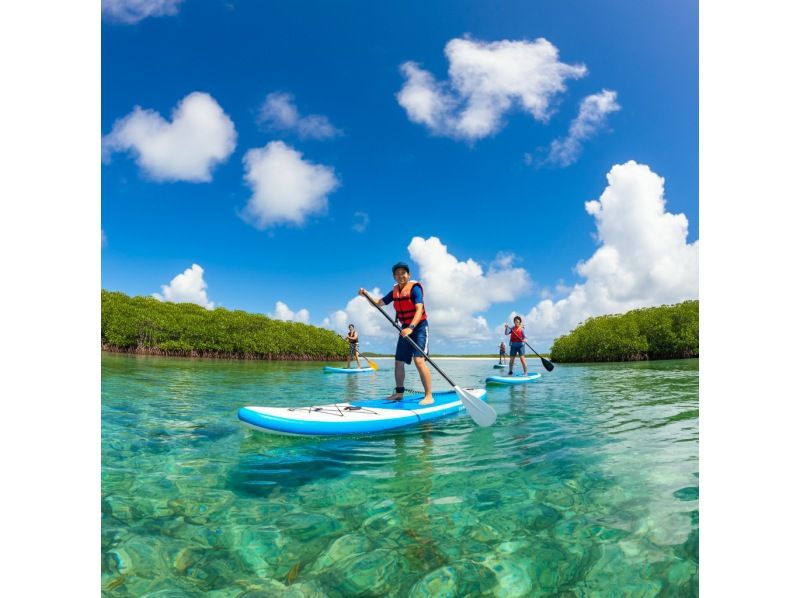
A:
397	396
428	400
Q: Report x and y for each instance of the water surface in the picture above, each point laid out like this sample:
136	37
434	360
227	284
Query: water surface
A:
587	485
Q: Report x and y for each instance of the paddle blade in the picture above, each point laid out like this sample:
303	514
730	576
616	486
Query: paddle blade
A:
372	364
480	411
548	365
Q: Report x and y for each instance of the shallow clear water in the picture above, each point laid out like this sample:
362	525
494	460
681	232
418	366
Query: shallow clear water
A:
587	485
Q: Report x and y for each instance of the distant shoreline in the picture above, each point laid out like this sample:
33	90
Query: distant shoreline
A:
244	357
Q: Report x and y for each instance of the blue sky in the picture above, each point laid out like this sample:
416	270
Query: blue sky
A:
519	236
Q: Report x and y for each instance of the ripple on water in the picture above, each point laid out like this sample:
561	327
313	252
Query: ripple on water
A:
586	486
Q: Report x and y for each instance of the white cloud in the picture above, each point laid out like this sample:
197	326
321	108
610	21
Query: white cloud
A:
363	316
592	115
133	11
456	292
199	137
487	79
643	259
282	312
188	287
361	222
286	188
279	112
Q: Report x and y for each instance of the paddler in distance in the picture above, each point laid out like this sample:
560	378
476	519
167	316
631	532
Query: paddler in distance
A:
352	340
407	297
517	342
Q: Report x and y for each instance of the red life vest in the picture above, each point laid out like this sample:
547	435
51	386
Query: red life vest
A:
403	304
517	337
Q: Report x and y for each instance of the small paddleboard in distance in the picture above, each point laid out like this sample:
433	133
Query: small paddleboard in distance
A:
331	370
358	417
519	379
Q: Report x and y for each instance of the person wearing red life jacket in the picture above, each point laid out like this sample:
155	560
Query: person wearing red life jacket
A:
407	297
517	343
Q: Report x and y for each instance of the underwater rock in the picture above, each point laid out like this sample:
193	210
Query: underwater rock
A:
484	533
341	548
307	527
152	508
441	583
512	546
206	568
111	537
260	548
538	516
680	574
198	507
489	496
119	508
305	589
374	573
558	497
268	588
377	525
552	566
461	578
119	561
512	579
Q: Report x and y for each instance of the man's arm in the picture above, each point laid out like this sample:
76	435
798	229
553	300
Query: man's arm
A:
365	294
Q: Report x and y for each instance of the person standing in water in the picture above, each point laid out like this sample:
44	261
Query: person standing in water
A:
352	339
502	351
517	342
407	297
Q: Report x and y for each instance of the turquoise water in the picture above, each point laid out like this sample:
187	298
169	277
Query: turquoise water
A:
587	485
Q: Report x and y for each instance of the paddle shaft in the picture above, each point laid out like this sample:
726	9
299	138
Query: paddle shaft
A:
545	362
358	354
413	344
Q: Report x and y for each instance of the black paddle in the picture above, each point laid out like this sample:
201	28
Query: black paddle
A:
481	412
548	365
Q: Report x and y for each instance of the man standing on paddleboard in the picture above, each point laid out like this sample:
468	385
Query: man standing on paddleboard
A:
517	342
408	303
352	339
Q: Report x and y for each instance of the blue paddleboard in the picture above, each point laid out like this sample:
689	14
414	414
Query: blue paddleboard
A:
519	379
331	370
358	417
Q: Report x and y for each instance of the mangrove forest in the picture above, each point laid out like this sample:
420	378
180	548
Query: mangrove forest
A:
666	332
147	325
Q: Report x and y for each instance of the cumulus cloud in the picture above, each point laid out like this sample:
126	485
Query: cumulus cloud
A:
286	188
366	319
199	137
279	112
643	259
188	287
458	291
133	11
592	116
486	80
282	312
361	222
455	294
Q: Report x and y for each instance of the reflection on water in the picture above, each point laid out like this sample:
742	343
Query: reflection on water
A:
587	485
